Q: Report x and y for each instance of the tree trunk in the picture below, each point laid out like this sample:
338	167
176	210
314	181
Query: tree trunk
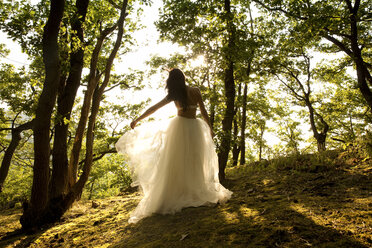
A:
59	205
8	155
244	113
212	114
224	148
91	190
212	106
93	79
32	215
98	93
362	70
245	93
320	137
260	152
236	147
261	143
243	125
59	181
321	144
229	85
236	142
5	164
75	192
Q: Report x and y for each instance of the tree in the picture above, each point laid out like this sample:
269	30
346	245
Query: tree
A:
229	88
259	112
8	154
65	53
66	97
257	36
16	97
342	104
295	73
289	131
39	194
208	29
347	29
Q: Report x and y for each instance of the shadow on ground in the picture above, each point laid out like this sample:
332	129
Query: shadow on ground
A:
270	208
325	207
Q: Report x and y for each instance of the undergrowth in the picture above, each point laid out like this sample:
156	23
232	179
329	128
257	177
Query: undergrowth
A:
313	200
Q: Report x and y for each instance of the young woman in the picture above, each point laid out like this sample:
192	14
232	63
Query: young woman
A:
175	165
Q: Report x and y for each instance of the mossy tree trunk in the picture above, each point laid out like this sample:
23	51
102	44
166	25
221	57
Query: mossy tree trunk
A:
65	100
33	214
229	89
64	188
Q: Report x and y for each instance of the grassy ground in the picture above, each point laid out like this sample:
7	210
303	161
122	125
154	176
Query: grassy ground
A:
301	201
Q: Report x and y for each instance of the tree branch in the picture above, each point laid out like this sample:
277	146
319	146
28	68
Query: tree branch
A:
296	95
356	6
339	44
349	6
308	71
8	155
339	140
281	10
118	84
99	156
348	36
117	6
98	92
295	77
93	79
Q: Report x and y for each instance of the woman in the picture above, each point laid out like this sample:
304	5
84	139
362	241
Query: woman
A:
175	165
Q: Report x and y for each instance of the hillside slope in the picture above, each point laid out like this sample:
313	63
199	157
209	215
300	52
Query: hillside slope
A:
295	202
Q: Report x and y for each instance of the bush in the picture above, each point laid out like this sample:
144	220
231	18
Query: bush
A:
109	177
17	186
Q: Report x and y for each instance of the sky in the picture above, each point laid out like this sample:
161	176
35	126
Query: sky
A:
15	57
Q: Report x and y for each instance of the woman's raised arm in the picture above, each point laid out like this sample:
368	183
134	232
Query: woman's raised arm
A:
150	111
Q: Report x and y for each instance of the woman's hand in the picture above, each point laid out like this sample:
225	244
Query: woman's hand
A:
133	124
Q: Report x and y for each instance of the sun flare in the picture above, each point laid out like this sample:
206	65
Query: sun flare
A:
197	62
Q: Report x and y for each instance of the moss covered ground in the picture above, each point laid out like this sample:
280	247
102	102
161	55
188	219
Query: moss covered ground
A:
299	201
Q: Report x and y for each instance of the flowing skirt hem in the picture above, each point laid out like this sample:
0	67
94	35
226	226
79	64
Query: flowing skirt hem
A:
175	165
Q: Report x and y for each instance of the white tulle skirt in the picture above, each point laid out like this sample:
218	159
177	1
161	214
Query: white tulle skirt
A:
175	165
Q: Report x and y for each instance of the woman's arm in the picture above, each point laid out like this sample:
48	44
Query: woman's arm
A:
204	112
150	111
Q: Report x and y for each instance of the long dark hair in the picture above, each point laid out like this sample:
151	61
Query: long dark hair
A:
176	86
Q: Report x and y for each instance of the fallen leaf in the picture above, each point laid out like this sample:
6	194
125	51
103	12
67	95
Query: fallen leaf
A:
183	236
